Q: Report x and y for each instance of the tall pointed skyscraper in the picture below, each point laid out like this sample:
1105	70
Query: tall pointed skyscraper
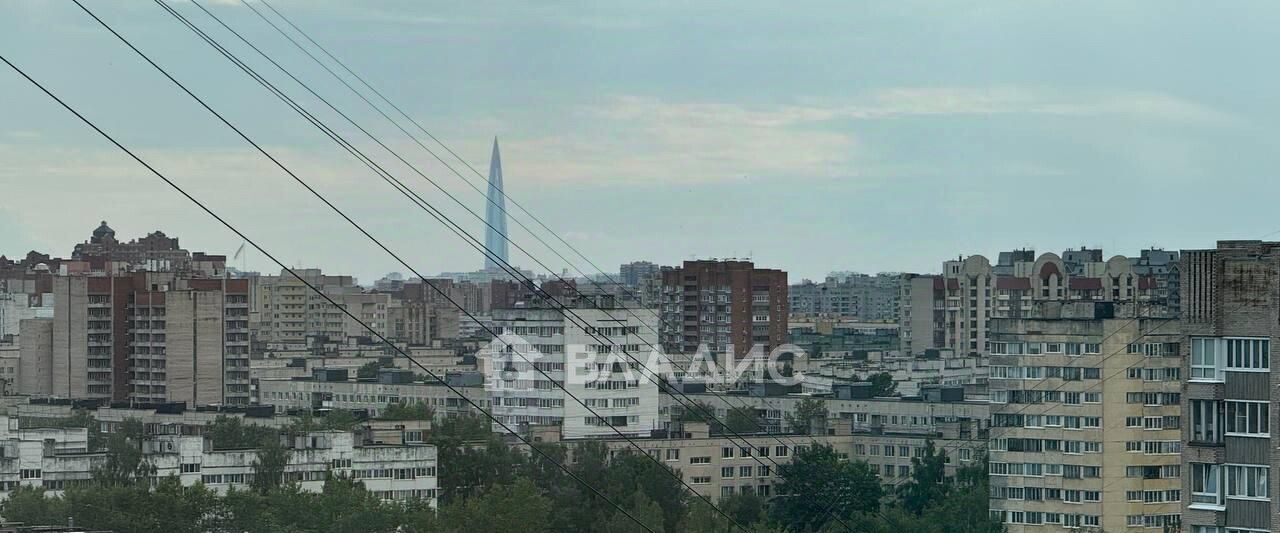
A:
495	213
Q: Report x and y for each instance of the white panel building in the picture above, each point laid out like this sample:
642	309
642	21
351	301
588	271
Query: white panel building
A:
58	458
589	363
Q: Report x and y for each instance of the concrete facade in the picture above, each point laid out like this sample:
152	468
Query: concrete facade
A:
1230	323
1086	420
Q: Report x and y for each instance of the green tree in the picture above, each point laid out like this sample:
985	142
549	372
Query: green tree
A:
514	507
370	369
125	464
230	432
743	420
410	411
269	466
882	384
745	509
817	483
697	411
31	506
641	509
808	409
929	484
628	473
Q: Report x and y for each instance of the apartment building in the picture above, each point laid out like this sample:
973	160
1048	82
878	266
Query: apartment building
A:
590	353
331	388
924	415
921	313
58	458
730	307
285	310
1229	324
1086	419
848	295
718	466
976	291
143	336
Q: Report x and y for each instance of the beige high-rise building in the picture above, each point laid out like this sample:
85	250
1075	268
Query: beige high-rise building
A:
920	313
285	310
1086	419
975	291
145	337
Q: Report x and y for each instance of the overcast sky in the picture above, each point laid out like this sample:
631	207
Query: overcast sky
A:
862	136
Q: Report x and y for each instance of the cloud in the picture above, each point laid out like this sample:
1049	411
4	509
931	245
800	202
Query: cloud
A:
641	139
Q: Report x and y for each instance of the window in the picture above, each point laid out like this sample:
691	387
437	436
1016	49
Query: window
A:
1247	418
744	471
1206	421
673	455
780	451
1204	359
1206	484
1247	482
726	453
704	460
700	480
1247	354
726	472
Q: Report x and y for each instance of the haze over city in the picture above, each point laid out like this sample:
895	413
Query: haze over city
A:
669	267
870	137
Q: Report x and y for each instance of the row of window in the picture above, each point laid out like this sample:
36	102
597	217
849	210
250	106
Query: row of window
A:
1044	445
1018	396
760	451
1212	419
1037	494
1211	357
1006	420
728	452
1037	517
1045	469
1154	520
1037	348
1211	483
1065	373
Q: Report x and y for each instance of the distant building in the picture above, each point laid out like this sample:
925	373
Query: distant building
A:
495	215
285	310
723	305
56	459
343	391
921	315
146	336
584	352
156	251
633	273
848	295
976	291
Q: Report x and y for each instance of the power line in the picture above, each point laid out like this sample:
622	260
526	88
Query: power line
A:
488	253
436	214
312	287
421	128
338	211
411	136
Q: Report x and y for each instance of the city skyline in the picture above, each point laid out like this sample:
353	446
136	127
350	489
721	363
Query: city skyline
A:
866	155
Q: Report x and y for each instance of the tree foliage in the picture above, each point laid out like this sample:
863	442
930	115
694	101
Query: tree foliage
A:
230	432
410	411
806	411
882	384
817	484
485	485
743	420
